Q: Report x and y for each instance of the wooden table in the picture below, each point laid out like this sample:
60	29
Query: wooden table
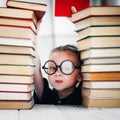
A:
53	112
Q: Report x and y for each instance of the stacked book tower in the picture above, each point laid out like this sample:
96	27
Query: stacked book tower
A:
98	31
18	31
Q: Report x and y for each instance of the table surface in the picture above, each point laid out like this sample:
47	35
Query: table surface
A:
59	112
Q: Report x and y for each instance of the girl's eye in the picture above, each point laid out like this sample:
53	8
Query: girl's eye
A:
52	68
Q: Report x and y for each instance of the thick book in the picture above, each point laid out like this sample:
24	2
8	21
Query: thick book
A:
97	21
100	53
16	104
16	79
101	76
101	68
96	11
98	31
99	42
63	7
101	84
17	42
101	93
38	8
16	95
16	87
92	60
17	14
16	69
17	32
16	59
101	103
18	22
19	50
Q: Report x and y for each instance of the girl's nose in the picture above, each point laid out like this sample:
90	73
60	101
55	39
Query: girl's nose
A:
58	72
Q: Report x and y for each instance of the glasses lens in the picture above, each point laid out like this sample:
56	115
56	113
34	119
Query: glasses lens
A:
67	67
50	67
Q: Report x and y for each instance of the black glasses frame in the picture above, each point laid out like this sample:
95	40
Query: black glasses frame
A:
59	66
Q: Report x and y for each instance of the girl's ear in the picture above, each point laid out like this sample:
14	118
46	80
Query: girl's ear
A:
79	78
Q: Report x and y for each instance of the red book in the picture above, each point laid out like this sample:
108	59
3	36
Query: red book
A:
63	7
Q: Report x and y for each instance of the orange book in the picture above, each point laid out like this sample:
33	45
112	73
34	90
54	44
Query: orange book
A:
99	76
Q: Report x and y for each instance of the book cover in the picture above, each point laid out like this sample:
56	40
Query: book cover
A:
38	8
6	41
101	103
63	7
17	14
16	87
16	69
98	42
16	79
16	104
97	21
100	61
18	50
101	68
98	31
101	76
96	11
16	59
17	32
18	23
101	84
100	53
16	95
101	93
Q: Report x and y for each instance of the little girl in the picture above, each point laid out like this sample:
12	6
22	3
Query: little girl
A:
64	75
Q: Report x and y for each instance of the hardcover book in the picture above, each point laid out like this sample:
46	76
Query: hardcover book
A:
99	42
96	11
101	93
101	84
16	79
101	76
63	7
16	104
99	31
101	68
38	8
101	103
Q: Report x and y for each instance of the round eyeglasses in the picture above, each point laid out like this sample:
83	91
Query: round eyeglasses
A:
66	67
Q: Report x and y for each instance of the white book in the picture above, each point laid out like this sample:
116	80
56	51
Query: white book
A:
17	42
101	84
16	87
16	95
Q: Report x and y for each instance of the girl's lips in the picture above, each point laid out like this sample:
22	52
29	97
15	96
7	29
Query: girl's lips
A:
58	81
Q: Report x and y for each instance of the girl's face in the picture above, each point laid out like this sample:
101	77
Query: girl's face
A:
60	81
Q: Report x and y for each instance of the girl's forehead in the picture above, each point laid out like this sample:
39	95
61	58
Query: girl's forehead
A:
60	56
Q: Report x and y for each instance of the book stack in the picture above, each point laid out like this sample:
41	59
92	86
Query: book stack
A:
98	30
18	31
